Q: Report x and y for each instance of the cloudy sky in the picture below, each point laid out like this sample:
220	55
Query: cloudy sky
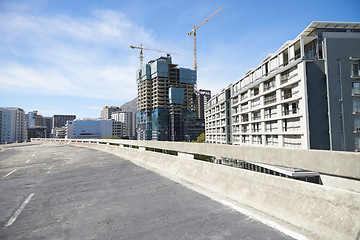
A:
73	57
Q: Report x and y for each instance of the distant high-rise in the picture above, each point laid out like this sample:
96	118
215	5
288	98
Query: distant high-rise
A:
166	104
12	125
128	120
48	125
30	119
59	121
202	98
108	111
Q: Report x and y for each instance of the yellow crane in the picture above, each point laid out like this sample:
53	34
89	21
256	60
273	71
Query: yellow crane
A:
148	49
193	32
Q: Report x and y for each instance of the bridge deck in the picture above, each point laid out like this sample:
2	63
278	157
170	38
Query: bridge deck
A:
67	192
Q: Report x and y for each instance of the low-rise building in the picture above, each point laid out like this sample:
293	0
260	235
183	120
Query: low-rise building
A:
92	129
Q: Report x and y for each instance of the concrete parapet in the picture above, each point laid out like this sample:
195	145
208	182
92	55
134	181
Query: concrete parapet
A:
334	163
185	155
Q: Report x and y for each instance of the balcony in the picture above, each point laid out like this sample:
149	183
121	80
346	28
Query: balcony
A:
289	94
355	91
270	99
287	112
286	78
244	107
270	115
269	86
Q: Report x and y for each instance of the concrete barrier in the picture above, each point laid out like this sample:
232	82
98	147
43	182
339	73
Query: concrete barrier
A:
318	212
343	164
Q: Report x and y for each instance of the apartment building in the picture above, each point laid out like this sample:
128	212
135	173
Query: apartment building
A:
166	106
59	121
108	111
306	95
128	120
202	97
12	125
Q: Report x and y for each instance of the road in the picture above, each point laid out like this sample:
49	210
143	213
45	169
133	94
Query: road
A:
52	191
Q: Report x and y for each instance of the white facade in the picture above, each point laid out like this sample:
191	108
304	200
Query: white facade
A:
128	120
271	105
270	112
12	125
91	128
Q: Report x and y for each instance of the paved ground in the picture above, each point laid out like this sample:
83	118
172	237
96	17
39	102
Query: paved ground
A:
66	192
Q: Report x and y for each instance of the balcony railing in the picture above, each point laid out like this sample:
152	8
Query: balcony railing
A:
256	117
269	86
271	129
287	77
289	95
289	112
356	91
270	115
270	100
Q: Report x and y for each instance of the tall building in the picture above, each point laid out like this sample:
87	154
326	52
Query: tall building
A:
12	125
48	125
30	119
59	121
93	128
36	126
202	97
306	95
165	101
108	111
128	120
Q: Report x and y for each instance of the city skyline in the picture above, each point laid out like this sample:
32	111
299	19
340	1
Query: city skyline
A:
69	58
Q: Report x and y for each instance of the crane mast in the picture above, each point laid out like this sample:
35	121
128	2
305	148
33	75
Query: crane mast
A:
193	32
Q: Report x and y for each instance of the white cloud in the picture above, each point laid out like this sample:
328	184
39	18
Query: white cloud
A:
87	57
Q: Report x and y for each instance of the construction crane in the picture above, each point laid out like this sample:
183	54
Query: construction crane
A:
148	49
193	32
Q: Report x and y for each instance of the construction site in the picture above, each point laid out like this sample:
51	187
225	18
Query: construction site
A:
166	103
169	106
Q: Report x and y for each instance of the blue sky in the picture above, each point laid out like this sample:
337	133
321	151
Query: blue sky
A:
73	57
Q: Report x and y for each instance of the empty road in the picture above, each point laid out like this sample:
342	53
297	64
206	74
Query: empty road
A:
52	191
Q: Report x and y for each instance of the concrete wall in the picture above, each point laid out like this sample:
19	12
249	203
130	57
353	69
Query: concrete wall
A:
317	105
339	48
344	164
316	211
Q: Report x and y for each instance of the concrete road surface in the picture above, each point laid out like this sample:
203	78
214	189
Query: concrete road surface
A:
54	191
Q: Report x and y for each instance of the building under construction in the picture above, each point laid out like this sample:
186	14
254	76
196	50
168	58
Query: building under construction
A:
166	106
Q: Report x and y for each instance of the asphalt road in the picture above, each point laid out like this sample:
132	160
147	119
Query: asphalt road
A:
54	191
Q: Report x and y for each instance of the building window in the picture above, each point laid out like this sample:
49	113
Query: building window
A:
355	88
357	142
356	105
356	123
355	69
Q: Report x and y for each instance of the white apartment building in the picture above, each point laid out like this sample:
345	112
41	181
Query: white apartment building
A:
12	125
306	95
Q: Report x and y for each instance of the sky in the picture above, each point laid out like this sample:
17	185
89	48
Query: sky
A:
74	57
